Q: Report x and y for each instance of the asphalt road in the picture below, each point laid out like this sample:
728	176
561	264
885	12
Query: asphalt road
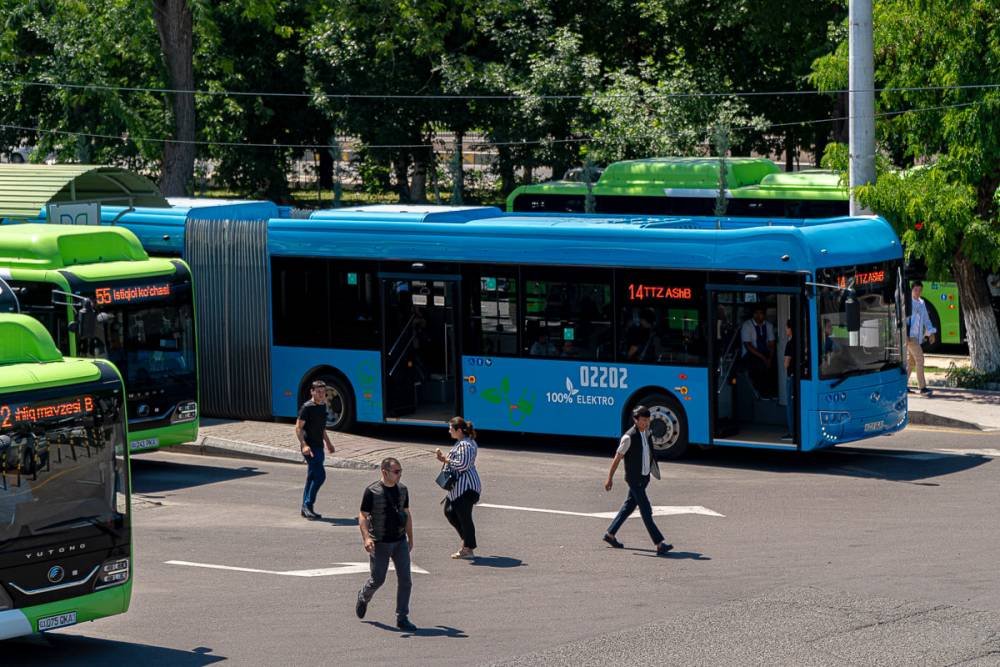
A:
881	554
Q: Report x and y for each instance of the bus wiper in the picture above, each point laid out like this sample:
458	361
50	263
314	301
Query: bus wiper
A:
85	520
849	374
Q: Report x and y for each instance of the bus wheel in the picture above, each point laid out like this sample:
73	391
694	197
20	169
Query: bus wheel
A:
339	406
667	426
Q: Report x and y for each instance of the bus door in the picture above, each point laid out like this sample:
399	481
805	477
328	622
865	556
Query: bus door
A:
752	402
419	351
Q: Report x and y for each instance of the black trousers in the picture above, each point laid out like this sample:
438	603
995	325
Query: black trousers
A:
459	514
763	377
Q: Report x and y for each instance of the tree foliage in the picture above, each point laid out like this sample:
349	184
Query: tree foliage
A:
932	60
580	78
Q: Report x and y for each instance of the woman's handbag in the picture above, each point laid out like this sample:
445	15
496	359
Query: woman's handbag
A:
446	478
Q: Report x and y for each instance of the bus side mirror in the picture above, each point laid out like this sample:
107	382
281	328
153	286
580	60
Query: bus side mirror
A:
852	313
852	310
85	323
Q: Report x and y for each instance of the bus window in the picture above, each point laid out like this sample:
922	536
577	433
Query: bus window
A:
567	314
876	346
354	304
661	318
35	299
492	309
301	298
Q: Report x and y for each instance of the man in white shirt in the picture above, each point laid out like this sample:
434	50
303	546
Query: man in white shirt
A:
920	328
640	463
757	336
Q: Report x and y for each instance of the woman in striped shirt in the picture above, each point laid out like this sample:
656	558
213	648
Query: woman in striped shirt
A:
458	504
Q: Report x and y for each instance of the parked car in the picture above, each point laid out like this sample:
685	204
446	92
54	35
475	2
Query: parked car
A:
22	154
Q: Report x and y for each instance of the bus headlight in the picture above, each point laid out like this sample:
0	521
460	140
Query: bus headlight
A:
185	412
831	424
113	572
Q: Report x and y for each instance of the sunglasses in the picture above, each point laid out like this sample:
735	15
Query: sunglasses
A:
397	471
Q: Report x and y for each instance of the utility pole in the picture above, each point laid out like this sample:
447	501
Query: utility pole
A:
862	99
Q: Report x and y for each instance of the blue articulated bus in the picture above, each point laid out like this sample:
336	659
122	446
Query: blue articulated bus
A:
561	324
162	230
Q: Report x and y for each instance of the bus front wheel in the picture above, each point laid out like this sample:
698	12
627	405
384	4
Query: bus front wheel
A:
339	406
667	426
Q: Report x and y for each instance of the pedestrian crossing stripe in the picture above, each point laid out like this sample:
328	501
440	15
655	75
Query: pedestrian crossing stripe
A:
658	510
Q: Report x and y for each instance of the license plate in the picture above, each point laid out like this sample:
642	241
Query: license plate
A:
49	622
147	443
874	426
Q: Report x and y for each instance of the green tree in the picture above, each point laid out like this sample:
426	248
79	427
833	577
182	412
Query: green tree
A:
931	60
60	41
256	46
658	113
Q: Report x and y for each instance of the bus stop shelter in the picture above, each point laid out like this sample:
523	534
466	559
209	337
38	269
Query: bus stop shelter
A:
26	189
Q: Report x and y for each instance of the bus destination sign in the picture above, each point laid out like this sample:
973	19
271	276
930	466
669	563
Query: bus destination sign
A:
863	278
30	414
113	295
642	292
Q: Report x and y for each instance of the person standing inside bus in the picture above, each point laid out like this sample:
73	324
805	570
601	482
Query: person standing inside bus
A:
920	328
640	342
387	533
310	429
640	463
789	382
757	336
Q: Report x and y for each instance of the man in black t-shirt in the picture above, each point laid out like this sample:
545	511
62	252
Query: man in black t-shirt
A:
310	429
387	531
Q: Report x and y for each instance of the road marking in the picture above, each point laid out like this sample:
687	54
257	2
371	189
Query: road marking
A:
658	510
993	453
344	568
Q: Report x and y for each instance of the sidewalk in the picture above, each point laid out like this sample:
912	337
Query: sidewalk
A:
957	408
953	408
277	442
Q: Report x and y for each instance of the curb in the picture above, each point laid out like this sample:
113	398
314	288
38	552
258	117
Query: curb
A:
212	446
921	418
962	390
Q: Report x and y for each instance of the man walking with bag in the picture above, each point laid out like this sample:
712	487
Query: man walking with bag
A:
640	463
387	532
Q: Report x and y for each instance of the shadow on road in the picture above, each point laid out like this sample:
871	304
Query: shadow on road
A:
55	649
897	465
436	631
671	555
497	561
335	521
892	465
154	476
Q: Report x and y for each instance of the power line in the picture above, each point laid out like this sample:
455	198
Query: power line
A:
236	144
536	142
484	97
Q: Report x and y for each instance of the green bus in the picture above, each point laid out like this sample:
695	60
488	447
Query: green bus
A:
756	187
101	296
65	526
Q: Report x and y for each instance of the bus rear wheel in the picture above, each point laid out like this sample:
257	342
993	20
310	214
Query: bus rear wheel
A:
339	406
667	426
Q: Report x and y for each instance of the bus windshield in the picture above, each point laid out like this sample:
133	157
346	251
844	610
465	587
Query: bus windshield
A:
61	463
877	288
149	343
